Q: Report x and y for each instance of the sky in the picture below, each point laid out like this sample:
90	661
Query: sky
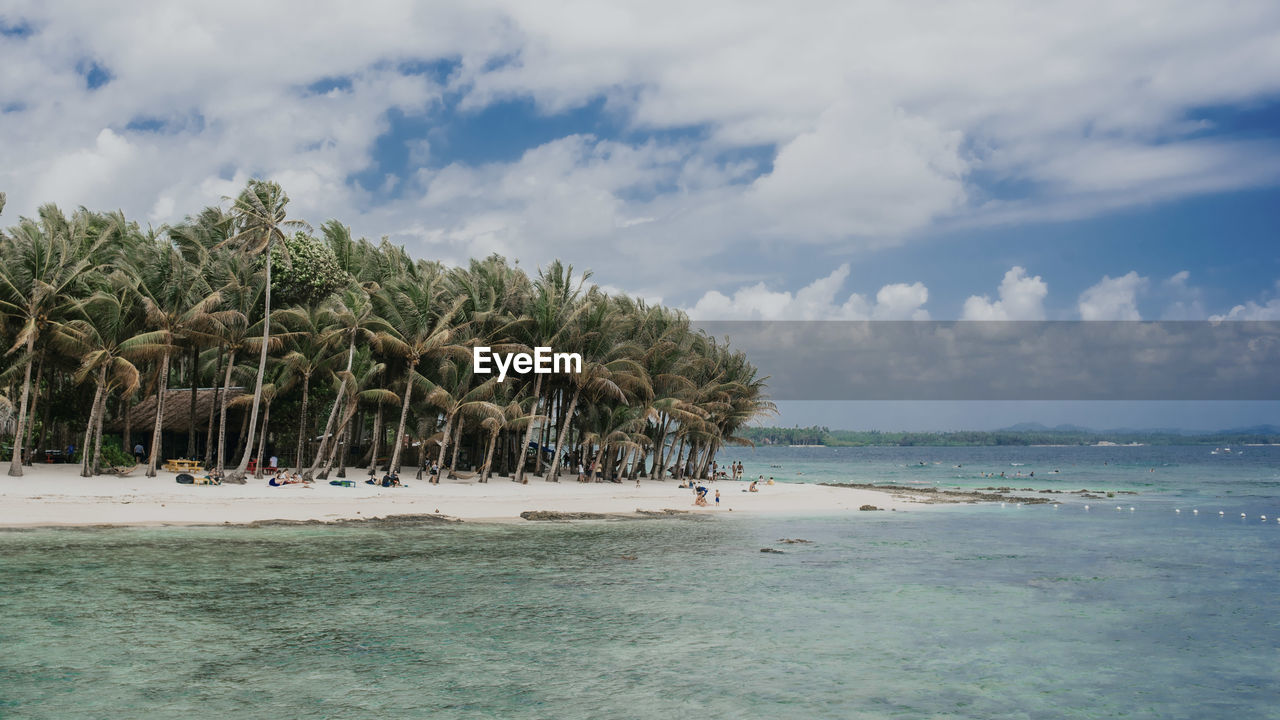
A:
812	160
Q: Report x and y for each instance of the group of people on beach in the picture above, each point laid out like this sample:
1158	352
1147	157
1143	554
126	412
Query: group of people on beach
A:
284	477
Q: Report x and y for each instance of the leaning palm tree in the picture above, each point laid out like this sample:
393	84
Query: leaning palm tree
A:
45	268
415	326
260	222
609	368
175	306
309	356
106	320
353	321
556	301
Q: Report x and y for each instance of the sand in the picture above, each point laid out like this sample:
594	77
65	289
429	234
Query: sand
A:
56	495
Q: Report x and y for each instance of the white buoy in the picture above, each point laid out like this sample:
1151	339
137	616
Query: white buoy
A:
1118	508
1177	511
1264	518
1196	511
1242	515
1086	507
1001	504
1220	513
1130	508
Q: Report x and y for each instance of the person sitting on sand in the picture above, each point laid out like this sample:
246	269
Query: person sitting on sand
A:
281	479
701	499
391	479
770	480
753	487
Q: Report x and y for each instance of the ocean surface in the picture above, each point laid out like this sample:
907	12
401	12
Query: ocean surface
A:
984	611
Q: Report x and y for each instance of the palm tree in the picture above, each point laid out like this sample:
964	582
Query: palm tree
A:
353	321
45	268
555	303
415	326
309	356
175	306
454	396
106	319
260	221
609	369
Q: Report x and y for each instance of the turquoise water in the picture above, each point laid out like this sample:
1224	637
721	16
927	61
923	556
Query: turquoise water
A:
975	611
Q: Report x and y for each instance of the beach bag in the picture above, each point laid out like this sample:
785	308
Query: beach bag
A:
186	479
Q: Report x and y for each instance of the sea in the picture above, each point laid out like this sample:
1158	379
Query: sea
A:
1158	604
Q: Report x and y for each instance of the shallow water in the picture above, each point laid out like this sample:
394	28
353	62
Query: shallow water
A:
975	611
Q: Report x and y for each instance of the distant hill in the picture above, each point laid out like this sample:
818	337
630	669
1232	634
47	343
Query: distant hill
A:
1020	434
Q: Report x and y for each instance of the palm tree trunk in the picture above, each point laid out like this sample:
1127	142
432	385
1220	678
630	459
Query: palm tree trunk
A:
35	402
679	464
553	475
488	456
333	414
126	407
86	462
15	464
213	408
659	470
376	443
522	451
47	420
262	371
191	417
333	447
262	440
544	434
300	456
97	432
447	435
343	449
155	434
453	461
404	415
222	422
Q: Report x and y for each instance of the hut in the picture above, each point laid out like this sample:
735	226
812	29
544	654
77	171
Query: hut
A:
177	421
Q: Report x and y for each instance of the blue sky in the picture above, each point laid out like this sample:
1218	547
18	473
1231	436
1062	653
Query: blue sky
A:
841	160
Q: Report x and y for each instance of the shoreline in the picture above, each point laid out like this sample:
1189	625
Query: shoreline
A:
55	496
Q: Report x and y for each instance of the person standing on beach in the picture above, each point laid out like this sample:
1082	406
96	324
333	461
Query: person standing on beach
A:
139	452
717	498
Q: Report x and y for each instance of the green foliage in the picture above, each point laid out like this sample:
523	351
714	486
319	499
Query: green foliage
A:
113	455
308	275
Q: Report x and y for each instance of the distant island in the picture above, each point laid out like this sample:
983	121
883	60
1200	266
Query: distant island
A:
1026	434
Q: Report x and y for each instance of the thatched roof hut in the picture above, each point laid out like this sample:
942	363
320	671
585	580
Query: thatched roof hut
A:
177	409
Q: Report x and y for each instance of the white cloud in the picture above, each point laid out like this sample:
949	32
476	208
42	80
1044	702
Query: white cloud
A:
815	301
862	123
1113	298
1252	310
1021	298
1185	299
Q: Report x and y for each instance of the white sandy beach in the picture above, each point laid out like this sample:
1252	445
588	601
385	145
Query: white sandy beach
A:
56	495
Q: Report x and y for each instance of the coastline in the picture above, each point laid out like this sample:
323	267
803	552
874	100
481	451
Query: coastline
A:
56	496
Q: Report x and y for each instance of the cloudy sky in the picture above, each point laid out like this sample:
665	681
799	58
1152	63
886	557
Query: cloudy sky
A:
887	160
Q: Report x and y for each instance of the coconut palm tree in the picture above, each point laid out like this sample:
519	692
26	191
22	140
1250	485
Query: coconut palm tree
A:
260	222
175	306
353	321
415	325
106	320
309	355
46	267
609	368
556	301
